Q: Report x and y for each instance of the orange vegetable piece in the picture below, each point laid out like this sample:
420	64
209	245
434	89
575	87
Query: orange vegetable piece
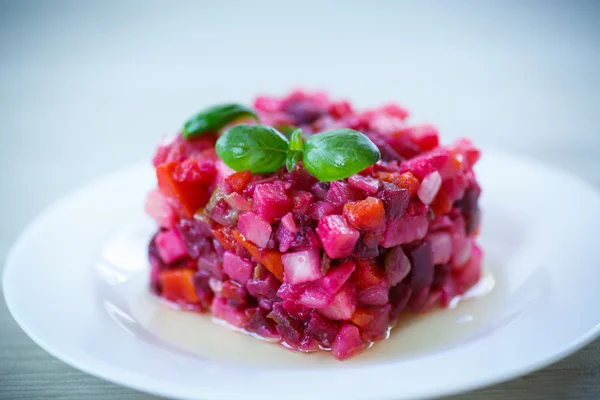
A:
366	214
363	317
239	180
366	274
178	285
189	195
271	259
441	204
225	236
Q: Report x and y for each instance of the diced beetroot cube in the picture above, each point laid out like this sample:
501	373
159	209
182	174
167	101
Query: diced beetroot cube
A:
375	295
230	290
397	266
341	193
261	325
157	206
424	136
429	187
234	292
178	286
470	208
461	244
455	187
289	328
427	163
336	277
406	229
301	266
337	236
285	237
289	223
255	229
343	305
441	246
374	321
301	200
441	222
263	284
322	330
399	297
233	315
170	246
470	153
367	184
195	171
270	202
433	300
419	298
320	189
195	234
211	263
470	274
300	179
223	214
314	296
395	200
367	245
304	111
294	308
340	109
321	209
421	258
395	110
237	268
239	202
347	343
267	103
203	290
416	207
366	214
156	266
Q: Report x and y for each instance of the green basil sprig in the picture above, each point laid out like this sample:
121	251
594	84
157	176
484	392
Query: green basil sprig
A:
259	149
295	152
338	154
214	118
329	156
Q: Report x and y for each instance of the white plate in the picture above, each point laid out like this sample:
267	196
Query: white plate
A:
75	283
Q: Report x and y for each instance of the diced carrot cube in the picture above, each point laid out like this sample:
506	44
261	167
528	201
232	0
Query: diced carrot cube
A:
271	259
178	285
366	214
238	180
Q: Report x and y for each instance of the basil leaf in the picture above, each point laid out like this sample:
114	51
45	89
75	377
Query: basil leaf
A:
295	152
296	140
338	154
259	149
214	118
292	159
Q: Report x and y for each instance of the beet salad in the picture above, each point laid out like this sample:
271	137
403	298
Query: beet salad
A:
306	222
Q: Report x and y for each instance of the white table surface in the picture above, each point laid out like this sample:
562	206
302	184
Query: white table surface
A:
86	87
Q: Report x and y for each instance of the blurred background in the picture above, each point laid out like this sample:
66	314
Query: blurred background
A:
89	86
